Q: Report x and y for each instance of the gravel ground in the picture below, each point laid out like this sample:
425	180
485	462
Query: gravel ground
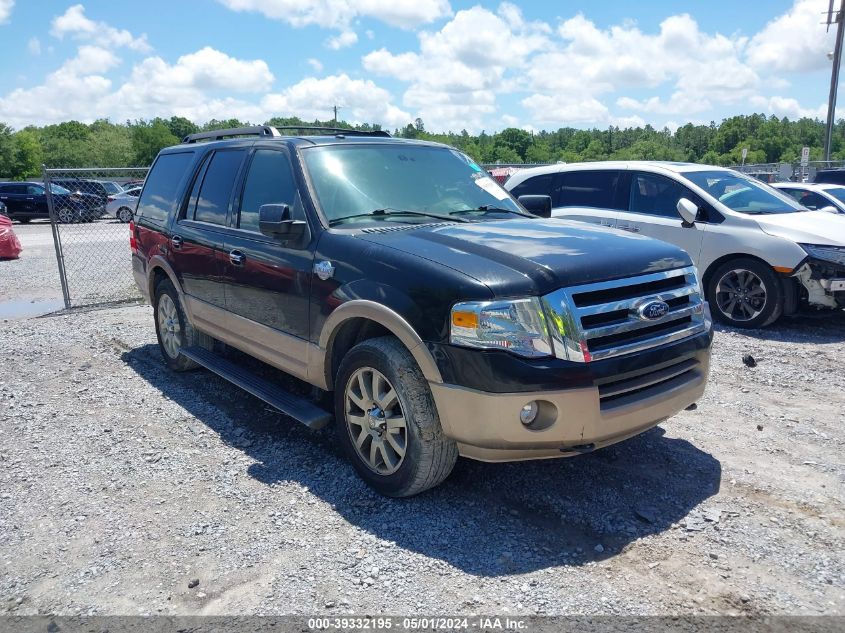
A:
128	489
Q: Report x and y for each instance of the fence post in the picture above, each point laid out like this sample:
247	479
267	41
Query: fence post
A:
57	242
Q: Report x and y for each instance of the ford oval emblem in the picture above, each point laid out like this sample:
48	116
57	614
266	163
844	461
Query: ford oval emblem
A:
653	310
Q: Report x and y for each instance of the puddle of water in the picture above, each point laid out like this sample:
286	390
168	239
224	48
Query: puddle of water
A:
25	308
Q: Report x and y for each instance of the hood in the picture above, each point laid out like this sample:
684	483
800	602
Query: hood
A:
514	257
805	227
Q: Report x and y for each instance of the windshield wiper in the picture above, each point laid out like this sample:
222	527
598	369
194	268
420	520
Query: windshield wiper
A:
389	211
489	208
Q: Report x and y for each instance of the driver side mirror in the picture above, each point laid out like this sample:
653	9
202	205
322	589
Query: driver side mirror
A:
276	220
830	209
688	211
538	205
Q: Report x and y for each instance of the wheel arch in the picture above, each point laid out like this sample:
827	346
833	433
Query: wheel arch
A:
359	320
708	274
158	269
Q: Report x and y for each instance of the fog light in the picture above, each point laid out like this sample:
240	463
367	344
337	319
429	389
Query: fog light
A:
528	413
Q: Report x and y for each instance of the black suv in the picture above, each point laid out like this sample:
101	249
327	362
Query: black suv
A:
446	319
26	201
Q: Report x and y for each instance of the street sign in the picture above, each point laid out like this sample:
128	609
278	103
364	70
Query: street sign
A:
744	153
805	156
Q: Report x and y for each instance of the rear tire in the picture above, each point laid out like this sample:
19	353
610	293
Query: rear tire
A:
387	422
173	330
125	214
745	293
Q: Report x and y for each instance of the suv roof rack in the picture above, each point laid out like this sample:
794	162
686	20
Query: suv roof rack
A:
335	130
219	135
269	131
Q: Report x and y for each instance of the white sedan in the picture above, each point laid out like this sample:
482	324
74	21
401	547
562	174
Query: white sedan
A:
122	206
815	196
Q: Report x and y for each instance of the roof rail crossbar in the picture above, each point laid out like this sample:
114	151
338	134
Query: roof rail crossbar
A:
219	135
334	130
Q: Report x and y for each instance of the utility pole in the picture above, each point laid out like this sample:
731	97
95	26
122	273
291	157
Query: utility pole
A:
838	18
336	108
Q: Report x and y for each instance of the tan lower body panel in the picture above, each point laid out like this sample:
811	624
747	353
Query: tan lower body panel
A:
283	351
487	426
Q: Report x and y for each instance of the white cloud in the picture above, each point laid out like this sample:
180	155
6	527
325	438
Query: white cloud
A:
342	40
316	64
789	107
458	71
312	98
74	91
6	7
34	46
339	14
795	41
76	24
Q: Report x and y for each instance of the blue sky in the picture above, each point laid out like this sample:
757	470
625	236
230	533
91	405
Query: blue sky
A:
457	65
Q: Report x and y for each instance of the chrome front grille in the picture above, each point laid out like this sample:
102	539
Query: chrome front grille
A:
612	318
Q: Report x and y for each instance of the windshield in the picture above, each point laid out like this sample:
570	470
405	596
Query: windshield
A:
58	189
352	180
742	194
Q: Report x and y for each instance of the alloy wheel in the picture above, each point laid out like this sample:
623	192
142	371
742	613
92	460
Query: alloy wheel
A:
168	326
66	216
375	421
741	295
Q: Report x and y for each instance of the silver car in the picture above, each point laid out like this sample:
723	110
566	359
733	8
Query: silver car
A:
122	206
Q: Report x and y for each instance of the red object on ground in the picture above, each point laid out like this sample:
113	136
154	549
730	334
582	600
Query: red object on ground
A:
10	246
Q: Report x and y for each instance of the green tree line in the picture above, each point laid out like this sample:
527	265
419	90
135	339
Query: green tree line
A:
135	143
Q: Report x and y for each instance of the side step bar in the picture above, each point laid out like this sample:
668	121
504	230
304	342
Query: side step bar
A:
298	408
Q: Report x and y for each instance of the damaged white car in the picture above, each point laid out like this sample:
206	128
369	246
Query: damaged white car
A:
759	252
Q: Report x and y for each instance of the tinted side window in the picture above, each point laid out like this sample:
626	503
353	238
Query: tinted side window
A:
269	181
657	195
162	187
17	189
589	189
216	190
35	190
536	186
809	199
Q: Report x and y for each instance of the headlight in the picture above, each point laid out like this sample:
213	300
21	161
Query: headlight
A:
516	325
835	254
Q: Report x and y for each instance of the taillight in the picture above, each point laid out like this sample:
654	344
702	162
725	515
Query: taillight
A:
111	198
133	243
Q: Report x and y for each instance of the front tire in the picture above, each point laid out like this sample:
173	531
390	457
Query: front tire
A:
173	330
66	215
745	293
387	422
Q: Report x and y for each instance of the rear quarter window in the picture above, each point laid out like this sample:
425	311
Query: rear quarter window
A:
160	197
536	186
590	189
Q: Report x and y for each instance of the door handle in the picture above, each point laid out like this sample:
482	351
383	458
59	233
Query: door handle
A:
176	241
237	258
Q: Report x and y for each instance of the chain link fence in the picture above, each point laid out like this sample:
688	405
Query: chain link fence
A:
89	211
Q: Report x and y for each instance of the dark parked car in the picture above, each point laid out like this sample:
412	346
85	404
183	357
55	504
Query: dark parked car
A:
93	193
832	176
398	275
27	201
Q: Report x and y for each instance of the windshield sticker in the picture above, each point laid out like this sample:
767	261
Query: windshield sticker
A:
492	188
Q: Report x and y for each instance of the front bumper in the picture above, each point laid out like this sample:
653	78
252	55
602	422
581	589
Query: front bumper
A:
572	421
